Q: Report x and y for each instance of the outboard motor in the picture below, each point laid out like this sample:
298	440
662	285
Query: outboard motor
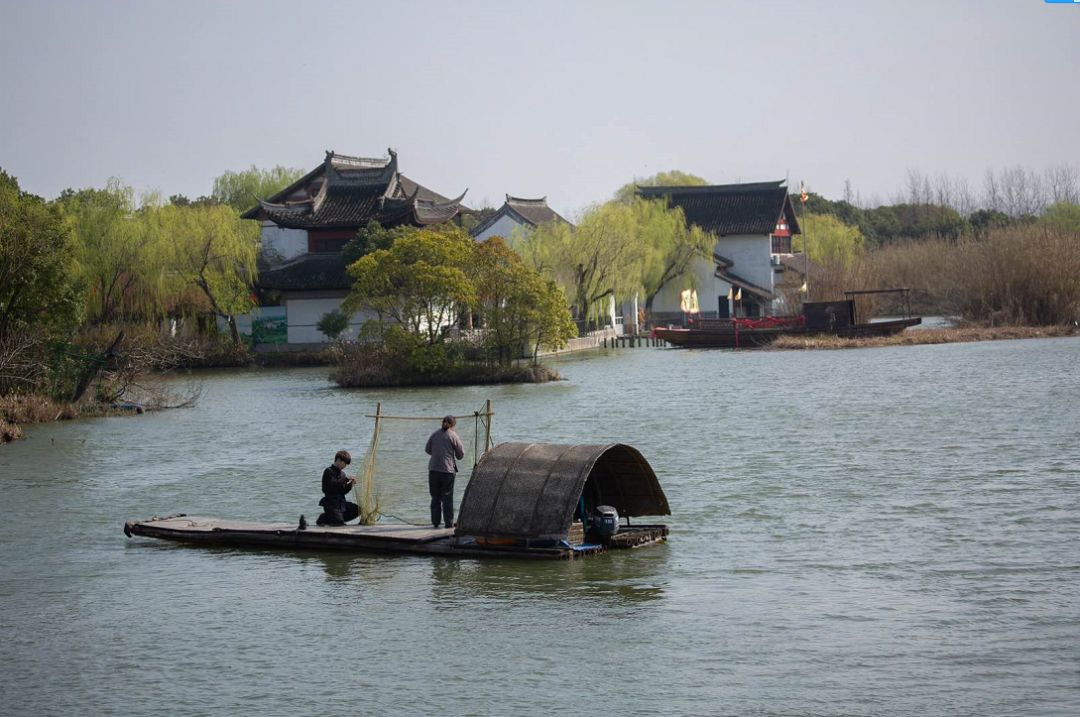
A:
604	523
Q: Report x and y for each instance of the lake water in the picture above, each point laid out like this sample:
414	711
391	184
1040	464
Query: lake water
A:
890	531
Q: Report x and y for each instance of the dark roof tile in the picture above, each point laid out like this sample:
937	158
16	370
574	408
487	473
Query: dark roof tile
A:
731	208
533	212
307	272
348	192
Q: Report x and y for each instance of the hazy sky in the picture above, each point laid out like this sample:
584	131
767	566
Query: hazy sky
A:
564	99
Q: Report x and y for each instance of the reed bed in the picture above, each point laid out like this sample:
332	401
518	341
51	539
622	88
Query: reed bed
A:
1024	275
914	337
19	410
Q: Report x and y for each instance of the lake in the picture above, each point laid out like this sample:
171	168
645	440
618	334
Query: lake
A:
889	531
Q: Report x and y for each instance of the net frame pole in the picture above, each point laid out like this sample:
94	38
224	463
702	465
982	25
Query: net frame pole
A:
487	425
369	509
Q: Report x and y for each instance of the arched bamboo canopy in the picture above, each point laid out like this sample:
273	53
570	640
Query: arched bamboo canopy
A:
530	490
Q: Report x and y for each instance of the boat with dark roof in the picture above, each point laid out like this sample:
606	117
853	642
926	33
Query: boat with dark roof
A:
524	500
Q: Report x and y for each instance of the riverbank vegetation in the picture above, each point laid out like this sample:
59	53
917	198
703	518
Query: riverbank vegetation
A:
97	290
916	337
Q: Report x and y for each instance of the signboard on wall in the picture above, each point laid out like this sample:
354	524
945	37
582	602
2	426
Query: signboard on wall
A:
270	326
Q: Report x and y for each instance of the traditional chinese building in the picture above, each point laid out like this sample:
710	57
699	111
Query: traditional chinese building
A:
306	225
516	215
754	224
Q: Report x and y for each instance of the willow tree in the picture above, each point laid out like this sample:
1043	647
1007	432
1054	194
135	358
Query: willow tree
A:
242	190
598	259
420	282
122	259
674	178
518	306
670	247
213	253
827	240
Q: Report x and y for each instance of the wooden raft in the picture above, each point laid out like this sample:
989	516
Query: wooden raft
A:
379	538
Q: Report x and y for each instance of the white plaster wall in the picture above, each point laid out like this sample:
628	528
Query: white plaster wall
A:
303	314
503	227
281	244
669	298
752	254
752	257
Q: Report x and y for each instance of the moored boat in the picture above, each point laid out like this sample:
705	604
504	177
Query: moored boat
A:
837	318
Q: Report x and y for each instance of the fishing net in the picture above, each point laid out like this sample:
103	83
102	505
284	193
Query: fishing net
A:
391	469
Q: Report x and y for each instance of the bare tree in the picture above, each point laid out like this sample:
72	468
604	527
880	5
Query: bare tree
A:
965	201
991	192
1063	184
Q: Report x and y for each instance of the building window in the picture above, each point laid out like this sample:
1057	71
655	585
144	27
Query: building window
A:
781	245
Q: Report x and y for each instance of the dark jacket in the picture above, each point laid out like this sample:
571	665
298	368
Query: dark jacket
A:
335	486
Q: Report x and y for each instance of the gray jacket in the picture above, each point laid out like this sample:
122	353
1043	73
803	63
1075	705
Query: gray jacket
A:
445	449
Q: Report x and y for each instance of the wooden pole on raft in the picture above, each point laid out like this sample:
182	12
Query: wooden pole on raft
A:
486	422
487	426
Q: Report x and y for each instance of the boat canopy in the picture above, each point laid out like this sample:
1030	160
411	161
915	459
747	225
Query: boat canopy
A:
531	490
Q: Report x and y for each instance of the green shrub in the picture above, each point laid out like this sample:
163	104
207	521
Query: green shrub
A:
333	323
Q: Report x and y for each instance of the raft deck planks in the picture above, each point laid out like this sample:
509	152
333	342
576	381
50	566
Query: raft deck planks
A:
385	538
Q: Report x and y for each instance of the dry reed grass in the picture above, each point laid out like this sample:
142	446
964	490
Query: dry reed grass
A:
926	336
1025	275
29	409
9	432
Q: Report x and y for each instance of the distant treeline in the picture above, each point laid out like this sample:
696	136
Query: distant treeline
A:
948	208
1009	256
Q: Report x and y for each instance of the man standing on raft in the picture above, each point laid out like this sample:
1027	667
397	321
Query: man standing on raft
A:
445	450
335	486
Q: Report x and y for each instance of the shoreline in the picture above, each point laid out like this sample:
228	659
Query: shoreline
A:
920	337
19	411
30	410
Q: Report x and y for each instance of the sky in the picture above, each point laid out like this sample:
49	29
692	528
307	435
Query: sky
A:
568	100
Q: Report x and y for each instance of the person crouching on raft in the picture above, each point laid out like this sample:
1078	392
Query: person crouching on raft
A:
445	450
335	486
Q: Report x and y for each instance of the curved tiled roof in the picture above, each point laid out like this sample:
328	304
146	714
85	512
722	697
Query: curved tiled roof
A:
731	208
347	192
532	212
307	272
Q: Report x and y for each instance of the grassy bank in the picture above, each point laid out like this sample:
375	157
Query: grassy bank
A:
926	336
19	411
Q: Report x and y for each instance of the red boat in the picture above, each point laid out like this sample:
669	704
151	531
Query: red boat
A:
837	318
